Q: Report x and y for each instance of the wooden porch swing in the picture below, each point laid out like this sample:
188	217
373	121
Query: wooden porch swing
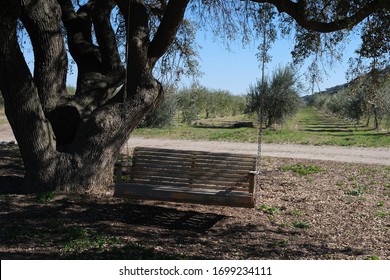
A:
186	176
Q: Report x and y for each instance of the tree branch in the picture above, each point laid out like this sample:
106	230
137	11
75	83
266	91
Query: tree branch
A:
105	35
138	43
99	68
79	29
167	30
42	20
22	104
297	10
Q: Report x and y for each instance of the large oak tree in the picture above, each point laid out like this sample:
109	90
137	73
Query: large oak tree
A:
71	142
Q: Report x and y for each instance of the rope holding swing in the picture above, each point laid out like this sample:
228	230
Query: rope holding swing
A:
259	151
125	81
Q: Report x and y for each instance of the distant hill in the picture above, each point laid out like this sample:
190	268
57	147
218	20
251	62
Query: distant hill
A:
337	88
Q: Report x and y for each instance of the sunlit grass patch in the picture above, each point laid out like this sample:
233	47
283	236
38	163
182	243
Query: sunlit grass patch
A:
302	169
308	127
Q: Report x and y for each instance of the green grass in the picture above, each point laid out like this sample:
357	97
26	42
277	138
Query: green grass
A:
78	239
269	209
296	213
45	197
302	169
382	214
243	134
301	224
357	190
309	126
373	258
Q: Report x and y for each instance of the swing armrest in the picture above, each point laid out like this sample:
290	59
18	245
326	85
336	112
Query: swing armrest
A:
252	180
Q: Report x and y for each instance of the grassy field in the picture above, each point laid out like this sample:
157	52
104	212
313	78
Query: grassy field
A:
309	126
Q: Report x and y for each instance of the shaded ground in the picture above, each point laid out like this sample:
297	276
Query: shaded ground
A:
339	211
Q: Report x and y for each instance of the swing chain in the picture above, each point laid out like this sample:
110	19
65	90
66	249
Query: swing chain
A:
259	146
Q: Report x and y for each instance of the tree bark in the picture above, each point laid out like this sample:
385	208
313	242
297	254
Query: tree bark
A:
72	142
298	11
22	104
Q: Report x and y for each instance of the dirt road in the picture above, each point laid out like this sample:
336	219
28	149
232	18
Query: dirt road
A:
340	154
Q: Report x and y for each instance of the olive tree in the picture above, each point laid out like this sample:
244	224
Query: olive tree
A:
278	96
71	142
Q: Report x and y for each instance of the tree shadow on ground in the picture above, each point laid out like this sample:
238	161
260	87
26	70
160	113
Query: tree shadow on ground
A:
341	130
11	170
74	227
28	224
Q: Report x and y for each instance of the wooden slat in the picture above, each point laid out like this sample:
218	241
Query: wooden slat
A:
205	165
192	156
184	177
187	159
194	171
200	185
190	176
184	153
176	162
208	197
136	170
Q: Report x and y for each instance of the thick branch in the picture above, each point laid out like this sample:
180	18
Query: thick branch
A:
138	43
42	20
105	35
297	10
79	29
167	30
99	68
123	6
22	105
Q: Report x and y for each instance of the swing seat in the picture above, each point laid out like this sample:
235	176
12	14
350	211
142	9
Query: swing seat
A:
190	177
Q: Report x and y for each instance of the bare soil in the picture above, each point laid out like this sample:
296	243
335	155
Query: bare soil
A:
342	211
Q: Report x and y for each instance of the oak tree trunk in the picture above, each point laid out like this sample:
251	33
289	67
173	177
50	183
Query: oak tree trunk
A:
72	142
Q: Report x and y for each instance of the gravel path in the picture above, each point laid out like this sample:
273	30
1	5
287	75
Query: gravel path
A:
341	154
333	153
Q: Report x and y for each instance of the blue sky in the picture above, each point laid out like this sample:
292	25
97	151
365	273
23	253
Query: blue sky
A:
236	69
